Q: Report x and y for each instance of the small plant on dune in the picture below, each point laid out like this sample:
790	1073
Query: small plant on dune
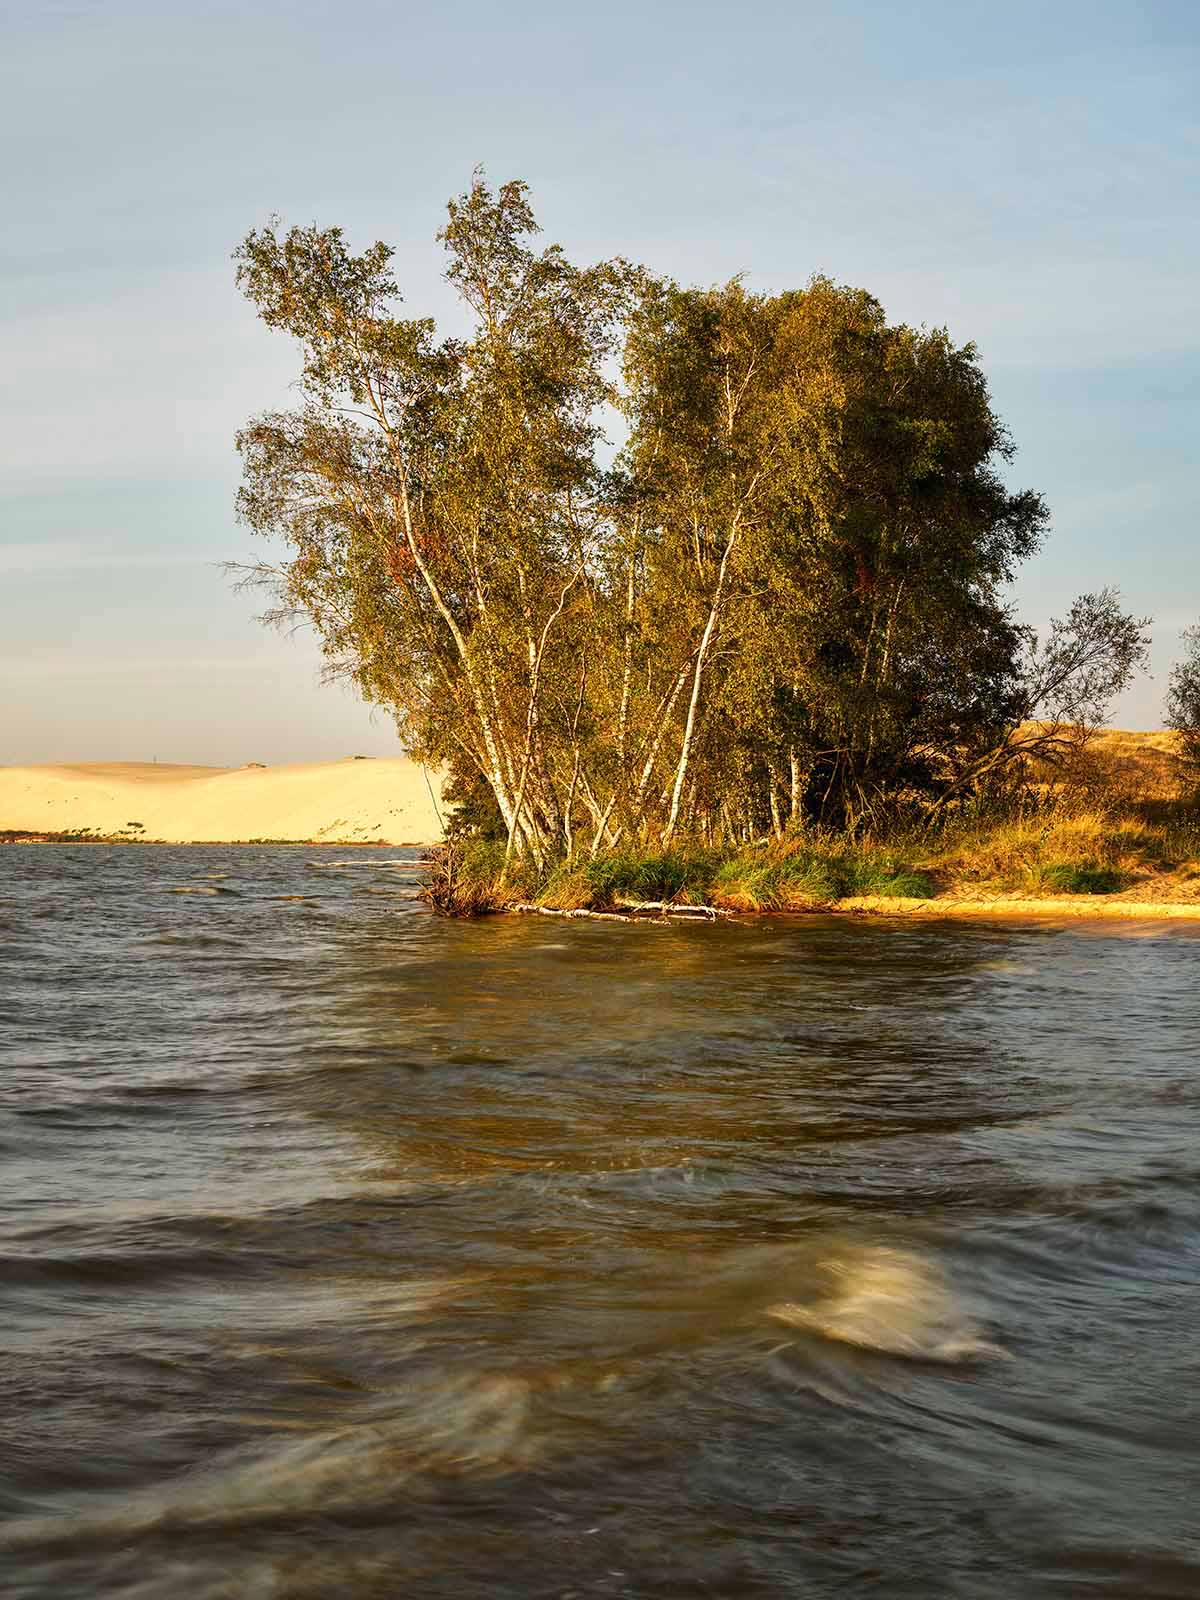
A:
1183	705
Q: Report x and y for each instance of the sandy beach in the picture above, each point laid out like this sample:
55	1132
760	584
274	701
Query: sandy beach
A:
382	801
1030	908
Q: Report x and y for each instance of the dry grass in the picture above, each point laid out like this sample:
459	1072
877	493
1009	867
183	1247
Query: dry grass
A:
1057	851
1121	817
1122	771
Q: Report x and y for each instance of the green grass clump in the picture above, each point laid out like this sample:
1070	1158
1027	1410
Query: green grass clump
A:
669	875
870	873
796	876
768	879
1067	877
905	884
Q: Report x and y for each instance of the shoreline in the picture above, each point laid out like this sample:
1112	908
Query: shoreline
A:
23	836
1014	908
1078	907
1075	908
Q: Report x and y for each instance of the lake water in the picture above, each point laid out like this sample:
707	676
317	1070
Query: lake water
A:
348	1252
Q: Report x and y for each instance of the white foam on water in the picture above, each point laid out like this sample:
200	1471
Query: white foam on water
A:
369	864
892	1301
474	1426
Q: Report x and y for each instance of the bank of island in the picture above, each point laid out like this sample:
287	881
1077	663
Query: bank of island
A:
1117	837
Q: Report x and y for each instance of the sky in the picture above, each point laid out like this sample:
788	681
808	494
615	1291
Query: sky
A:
1024	175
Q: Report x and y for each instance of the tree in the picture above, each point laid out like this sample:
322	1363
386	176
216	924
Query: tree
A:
819	506
1061	691
440	498
1182	709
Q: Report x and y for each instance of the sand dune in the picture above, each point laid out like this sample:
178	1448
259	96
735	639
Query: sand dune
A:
370	801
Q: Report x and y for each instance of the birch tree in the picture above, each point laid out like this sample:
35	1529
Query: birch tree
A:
439	497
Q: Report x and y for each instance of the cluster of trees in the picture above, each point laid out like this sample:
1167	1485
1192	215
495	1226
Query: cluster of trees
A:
637	561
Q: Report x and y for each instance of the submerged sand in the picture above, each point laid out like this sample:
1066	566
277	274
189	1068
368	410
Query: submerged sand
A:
385	801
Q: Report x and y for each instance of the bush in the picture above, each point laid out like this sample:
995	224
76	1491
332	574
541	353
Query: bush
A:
885	876
463	879
672	875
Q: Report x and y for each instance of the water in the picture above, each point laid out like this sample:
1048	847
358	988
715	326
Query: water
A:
347	1252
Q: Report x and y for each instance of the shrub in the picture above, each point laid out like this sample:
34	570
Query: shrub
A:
672	875
1067	877
463	879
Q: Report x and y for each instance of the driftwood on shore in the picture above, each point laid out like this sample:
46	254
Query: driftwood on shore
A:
668	908
631	911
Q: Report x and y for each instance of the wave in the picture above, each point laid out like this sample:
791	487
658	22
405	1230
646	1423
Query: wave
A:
893	1302
470	1427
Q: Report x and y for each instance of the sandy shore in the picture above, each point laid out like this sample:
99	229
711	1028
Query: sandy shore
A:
366	801
1070	907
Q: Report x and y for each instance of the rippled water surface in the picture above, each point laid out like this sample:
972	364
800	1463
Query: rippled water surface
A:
348	1252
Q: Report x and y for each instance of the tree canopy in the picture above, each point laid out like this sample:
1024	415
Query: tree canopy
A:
773	592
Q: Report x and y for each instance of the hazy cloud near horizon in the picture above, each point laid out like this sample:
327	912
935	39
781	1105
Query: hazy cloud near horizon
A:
1027	177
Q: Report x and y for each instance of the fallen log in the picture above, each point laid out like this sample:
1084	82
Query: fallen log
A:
669	908
597	916
630	911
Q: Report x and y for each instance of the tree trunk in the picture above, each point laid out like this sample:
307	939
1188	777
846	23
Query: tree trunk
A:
689	731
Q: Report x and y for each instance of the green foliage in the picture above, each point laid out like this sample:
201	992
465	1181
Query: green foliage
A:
473	812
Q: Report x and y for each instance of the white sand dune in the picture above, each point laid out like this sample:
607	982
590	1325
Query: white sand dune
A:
368	801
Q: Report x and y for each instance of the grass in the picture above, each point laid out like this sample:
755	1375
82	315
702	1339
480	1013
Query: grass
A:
799	875
1064	877
789	875
1067	850
1121	818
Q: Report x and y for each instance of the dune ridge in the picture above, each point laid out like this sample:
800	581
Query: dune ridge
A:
370	801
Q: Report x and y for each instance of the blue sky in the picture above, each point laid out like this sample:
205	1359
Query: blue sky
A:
1026	175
